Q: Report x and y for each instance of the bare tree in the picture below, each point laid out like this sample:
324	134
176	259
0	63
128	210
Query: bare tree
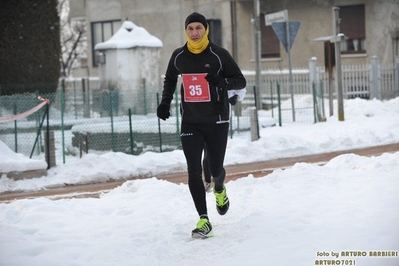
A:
73	39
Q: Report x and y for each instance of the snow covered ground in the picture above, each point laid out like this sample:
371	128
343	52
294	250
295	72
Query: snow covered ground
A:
344	212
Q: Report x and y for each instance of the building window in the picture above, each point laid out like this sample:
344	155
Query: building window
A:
269	41
101	32
353	26
215	31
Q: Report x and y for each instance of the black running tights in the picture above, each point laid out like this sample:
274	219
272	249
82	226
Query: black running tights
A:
193	138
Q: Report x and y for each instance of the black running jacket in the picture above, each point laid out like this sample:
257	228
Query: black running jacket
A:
210	105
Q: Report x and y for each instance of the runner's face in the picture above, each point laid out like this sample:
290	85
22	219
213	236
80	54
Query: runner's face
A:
195	31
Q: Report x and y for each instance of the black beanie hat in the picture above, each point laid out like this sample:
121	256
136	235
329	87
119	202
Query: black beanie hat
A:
196	17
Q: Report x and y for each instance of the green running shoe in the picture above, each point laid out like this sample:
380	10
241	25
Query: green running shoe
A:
203	230
222	201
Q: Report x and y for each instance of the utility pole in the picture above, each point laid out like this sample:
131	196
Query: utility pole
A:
338	37
257	34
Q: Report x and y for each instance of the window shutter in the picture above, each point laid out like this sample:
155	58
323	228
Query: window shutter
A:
353	21
270	42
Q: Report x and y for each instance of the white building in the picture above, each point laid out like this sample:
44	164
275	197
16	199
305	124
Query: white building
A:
129	63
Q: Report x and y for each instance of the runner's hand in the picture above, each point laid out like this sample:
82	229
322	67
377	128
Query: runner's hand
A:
163	109
233	99
216	81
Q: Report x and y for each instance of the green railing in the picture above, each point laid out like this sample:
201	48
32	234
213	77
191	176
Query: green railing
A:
87	119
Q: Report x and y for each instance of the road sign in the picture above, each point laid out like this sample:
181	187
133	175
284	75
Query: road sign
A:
280	29
280	16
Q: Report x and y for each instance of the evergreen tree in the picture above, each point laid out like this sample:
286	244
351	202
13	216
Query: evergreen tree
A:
29	46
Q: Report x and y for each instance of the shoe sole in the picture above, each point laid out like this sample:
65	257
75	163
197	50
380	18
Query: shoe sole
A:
197	235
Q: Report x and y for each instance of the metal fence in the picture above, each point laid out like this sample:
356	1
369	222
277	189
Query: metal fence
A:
366	81
90	122
86	118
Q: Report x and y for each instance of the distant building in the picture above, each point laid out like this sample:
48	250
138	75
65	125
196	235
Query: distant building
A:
130	64
371	28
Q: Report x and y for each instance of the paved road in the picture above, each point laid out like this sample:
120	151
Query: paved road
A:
257	169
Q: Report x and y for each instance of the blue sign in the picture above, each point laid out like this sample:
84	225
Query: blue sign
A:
280	30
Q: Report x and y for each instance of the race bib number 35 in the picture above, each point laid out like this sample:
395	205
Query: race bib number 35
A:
196	88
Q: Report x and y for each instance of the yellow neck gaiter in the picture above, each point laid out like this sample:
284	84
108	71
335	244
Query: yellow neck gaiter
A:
197	47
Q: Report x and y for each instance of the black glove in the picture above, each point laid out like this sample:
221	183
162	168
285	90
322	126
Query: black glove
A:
163	109
233	99
216	81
